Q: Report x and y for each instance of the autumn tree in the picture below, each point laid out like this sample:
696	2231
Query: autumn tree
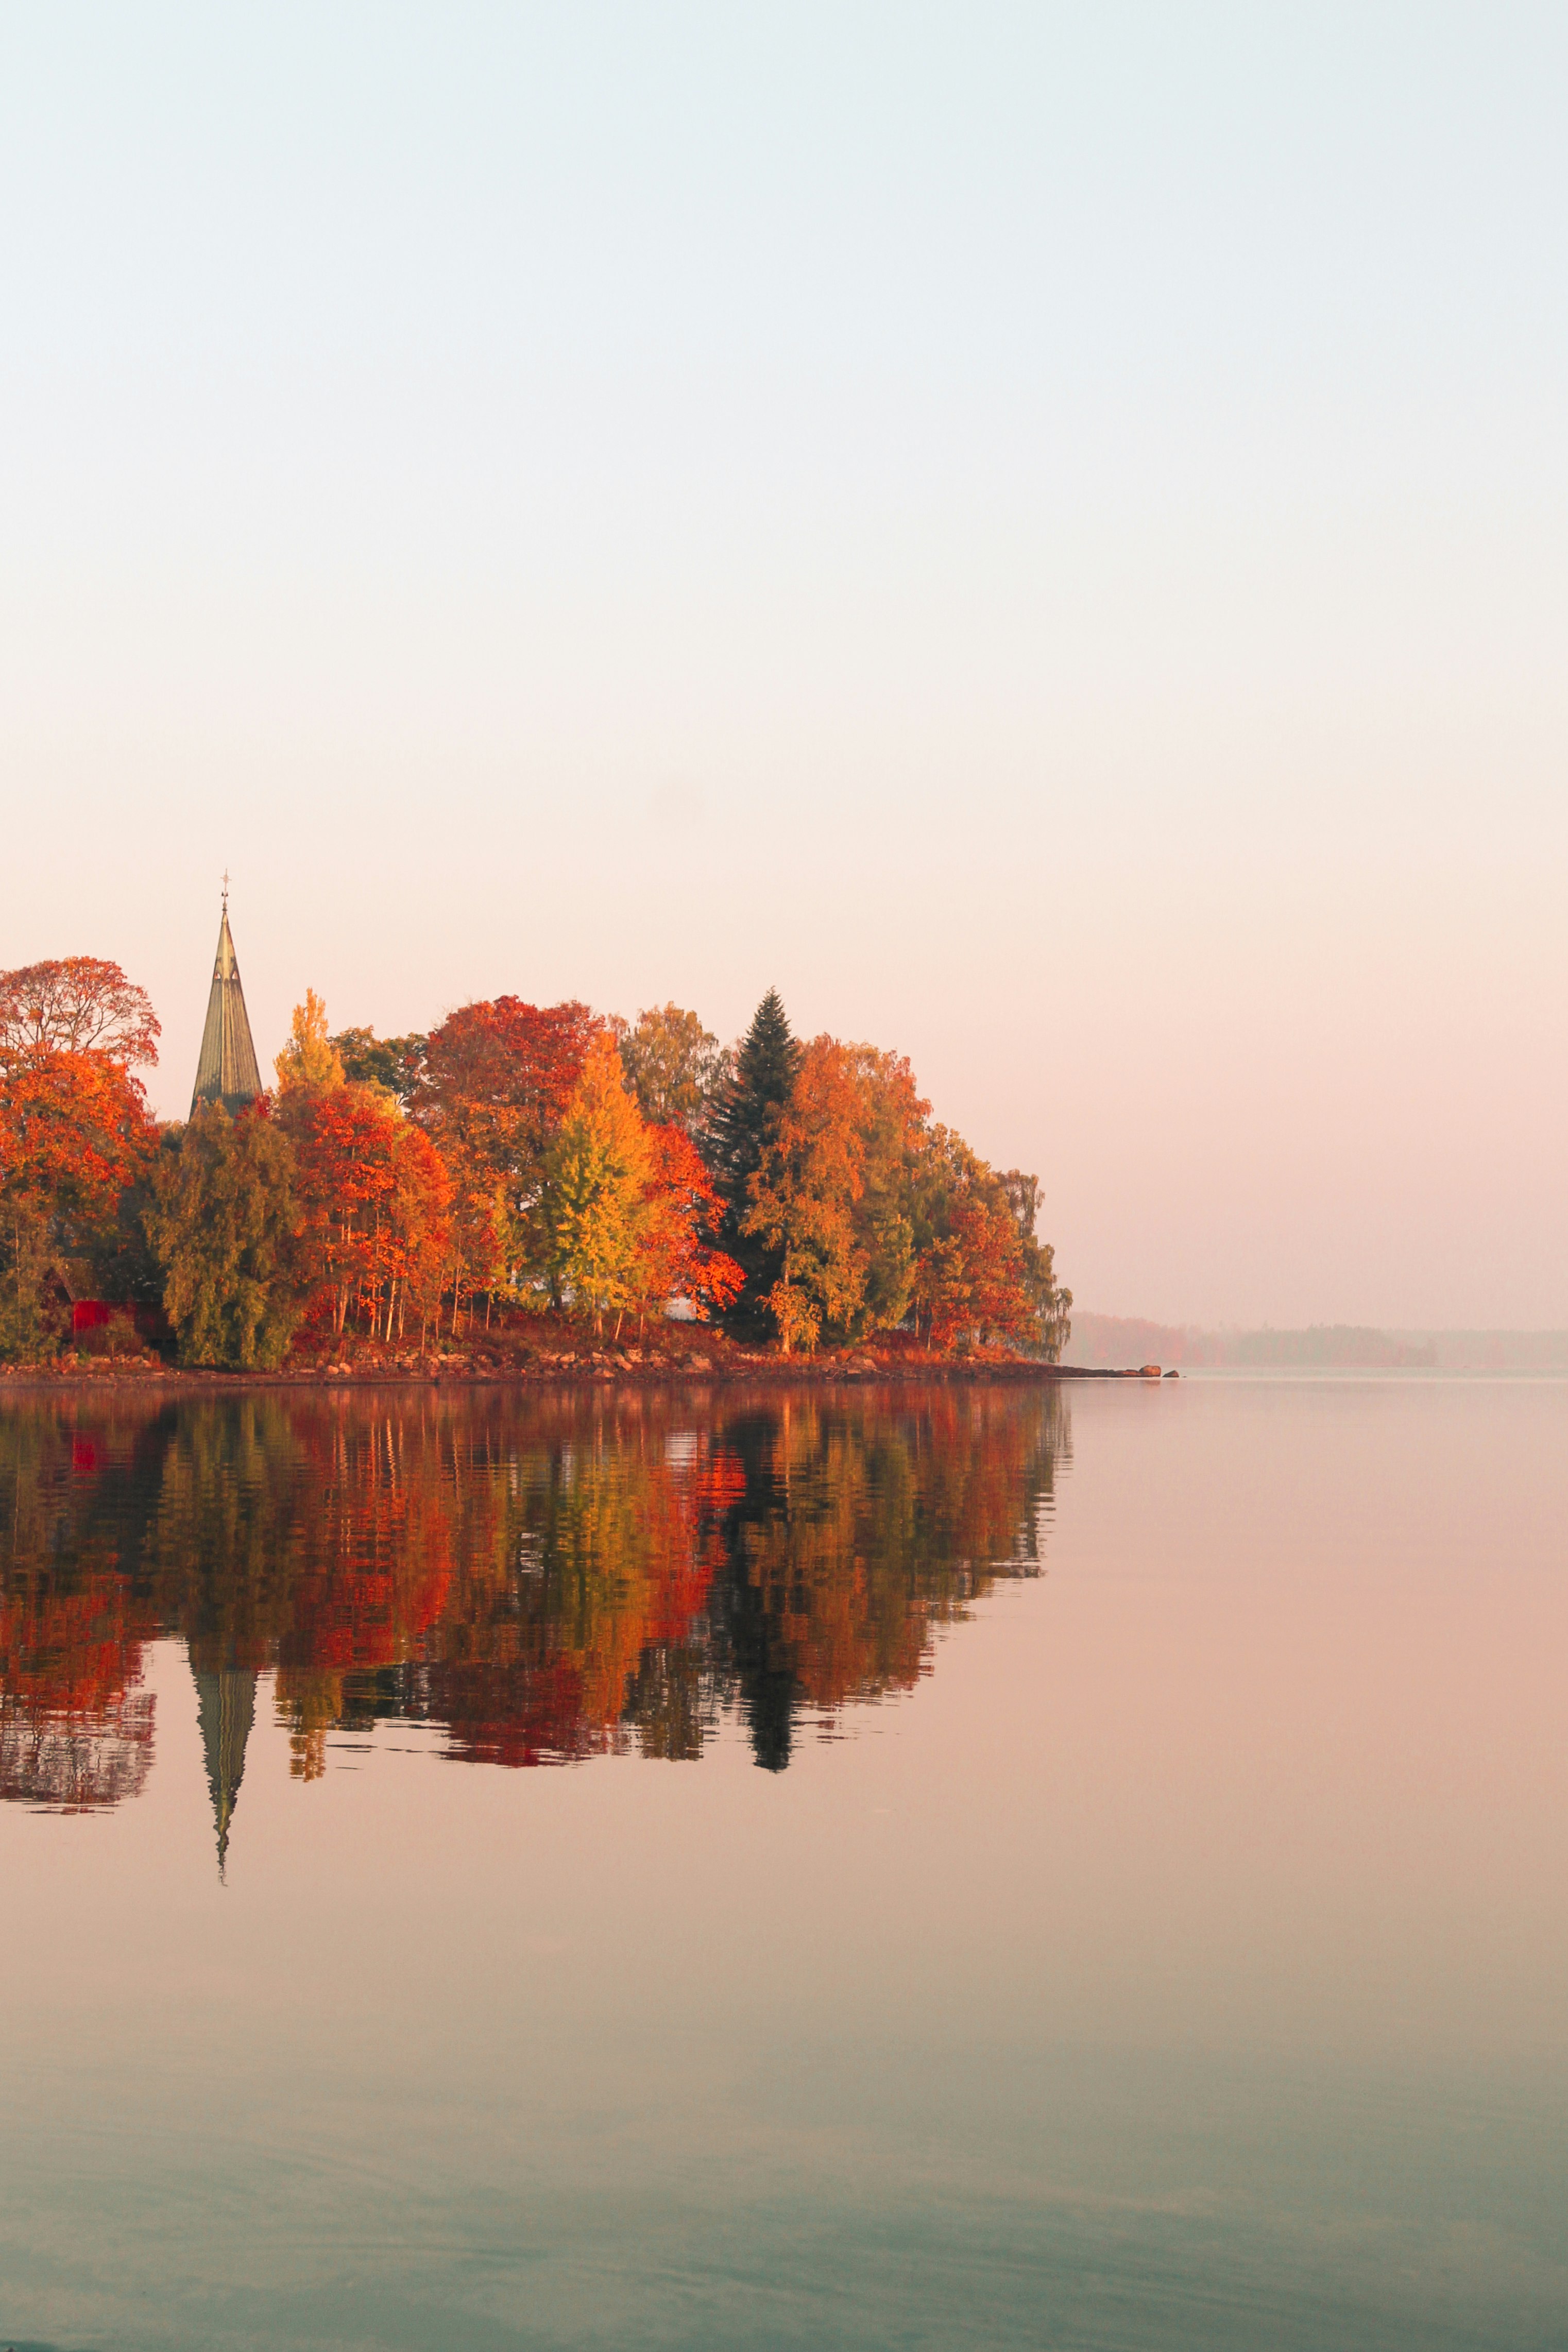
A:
672	1065
676	1253
802	1194
342	1141
972	1278
225	1225
376	1201
418	1248
75	1131
596	1177
78	1005
498	1075
891	1118
310	1058
738	1132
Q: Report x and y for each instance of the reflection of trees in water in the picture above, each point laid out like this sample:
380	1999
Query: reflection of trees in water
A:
75	1731
75	1761
542	1580
861	1533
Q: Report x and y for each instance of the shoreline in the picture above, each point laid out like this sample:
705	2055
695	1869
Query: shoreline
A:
588	1371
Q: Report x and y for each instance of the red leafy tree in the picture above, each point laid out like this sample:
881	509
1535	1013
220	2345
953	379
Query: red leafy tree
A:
677	1256
78	1005
499	1074
376	1200
972	1277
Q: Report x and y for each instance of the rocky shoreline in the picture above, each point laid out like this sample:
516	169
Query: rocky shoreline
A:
480	1368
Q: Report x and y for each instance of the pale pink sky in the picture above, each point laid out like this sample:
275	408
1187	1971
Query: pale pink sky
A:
1042	540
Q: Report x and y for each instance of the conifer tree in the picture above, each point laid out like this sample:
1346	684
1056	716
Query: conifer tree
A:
760	1086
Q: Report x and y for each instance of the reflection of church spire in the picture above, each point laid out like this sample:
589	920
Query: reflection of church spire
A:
226	1709
226	1072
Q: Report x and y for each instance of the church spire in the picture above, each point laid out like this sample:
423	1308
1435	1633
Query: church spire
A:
226	1072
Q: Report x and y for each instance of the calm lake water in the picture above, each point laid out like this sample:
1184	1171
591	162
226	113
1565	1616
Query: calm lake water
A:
887	1868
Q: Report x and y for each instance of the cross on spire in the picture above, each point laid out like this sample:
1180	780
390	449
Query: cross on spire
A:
225	887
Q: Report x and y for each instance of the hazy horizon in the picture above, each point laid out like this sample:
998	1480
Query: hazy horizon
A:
1039	537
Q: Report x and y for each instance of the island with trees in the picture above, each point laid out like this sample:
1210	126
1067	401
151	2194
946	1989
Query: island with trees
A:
526	1187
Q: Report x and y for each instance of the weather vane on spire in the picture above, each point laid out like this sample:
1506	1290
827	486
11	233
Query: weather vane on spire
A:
225	889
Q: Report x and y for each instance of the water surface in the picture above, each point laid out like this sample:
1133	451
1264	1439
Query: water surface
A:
892	1868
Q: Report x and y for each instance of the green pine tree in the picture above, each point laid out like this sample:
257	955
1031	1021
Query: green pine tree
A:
759	1085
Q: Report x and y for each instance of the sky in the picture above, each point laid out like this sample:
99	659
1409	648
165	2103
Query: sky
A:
1039	531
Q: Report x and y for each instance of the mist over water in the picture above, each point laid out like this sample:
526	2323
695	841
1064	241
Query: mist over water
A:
1033	1867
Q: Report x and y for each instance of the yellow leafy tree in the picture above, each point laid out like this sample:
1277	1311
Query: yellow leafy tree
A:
595	1182
310	1058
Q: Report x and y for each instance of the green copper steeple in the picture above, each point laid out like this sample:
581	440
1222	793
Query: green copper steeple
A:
226	1072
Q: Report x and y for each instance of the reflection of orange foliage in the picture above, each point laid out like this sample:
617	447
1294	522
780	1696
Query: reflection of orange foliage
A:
621	1552
73	1730
543	1580
877	1530
375	1580
74	1652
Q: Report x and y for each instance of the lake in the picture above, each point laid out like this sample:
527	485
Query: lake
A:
1077	1865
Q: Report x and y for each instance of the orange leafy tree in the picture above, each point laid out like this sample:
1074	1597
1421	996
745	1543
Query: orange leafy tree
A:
803	1193
677	1254
971	1280
75	1133
376	1201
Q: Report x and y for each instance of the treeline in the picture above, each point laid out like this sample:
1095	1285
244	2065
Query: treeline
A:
518	1158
